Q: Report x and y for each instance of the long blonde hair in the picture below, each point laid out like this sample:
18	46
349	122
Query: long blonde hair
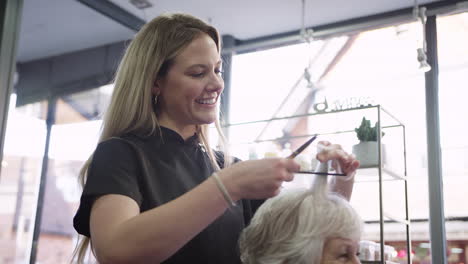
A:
131	110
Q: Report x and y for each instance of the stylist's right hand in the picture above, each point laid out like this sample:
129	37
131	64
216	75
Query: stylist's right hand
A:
258	179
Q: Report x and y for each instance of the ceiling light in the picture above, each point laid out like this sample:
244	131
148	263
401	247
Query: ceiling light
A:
307	77
424	66
422	58
141	4
306	34
420	14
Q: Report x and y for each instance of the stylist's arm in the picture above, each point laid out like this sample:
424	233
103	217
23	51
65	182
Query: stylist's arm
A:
122	235
258	179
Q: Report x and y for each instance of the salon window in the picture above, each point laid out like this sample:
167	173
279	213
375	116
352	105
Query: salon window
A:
73	137
377	66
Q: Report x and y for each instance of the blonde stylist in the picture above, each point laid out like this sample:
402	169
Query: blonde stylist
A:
154	190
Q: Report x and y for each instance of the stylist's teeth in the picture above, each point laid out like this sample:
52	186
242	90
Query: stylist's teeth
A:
206	101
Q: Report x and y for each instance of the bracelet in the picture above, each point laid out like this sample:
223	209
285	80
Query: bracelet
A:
223	190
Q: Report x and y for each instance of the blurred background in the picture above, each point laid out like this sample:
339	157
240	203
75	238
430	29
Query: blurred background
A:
291	68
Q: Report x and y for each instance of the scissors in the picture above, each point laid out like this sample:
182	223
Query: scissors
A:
300	149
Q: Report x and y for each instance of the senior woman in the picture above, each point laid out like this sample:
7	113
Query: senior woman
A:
312	226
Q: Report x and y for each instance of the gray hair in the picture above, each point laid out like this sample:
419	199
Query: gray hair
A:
292	227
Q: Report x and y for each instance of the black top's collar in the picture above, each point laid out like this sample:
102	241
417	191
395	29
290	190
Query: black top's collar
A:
168	134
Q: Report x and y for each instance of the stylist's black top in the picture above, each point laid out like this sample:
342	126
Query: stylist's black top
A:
155	170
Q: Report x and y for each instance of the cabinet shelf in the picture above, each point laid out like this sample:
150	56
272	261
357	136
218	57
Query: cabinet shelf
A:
396	219
377	262
389	219
339	126
371	174
330	123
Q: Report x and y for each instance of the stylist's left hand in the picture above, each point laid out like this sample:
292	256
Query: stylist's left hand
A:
328	151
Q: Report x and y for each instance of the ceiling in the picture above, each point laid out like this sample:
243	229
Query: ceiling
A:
54	27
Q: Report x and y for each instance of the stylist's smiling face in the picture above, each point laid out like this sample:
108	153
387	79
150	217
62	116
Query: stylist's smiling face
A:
340	251
190	91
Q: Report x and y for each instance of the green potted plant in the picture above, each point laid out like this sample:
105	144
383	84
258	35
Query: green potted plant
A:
367	149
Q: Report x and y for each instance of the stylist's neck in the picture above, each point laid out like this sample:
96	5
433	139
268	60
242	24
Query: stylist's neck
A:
185	131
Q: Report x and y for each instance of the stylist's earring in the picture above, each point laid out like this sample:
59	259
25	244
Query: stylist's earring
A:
155	100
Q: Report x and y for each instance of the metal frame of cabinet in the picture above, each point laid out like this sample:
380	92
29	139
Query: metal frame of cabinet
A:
379	167
407	220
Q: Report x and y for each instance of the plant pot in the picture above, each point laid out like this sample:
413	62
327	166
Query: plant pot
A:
367	152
